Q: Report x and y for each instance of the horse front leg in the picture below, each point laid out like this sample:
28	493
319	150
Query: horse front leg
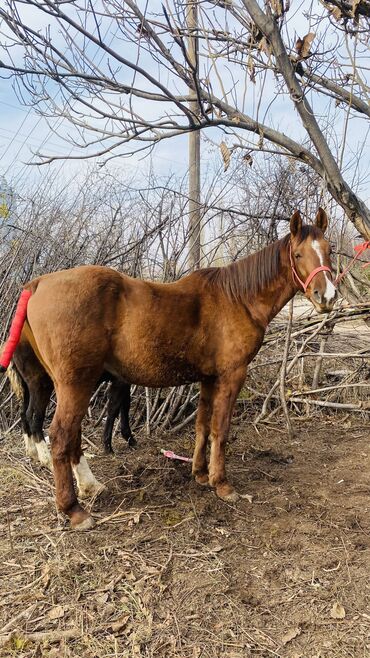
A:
202	429
226	392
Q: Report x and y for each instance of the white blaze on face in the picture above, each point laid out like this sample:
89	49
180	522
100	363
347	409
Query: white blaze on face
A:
87	483
330	290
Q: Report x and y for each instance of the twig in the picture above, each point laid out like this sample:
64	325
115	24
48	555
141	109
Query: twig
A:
361	406
48	636
283	370
16	618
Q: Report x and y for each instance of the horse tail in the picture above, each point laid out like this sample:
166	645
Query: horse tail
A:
15	380
15	329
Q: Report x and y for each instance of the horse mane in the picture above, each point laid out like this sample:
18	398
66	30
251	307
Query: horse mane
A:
247	277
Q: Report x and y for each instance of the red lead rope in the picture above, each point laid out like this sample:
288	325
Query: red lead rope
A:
15	330
359	249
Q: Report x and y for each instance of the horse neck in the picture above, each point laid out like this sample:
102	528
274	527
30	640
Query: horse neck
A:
269	301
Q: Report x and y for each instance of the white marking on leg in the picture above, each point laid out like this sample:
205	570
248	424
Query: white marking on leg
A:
44	455
330	290
30	447
87	483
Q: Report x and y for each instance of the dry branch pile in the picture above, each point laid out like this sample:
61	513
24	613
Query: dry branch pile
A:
325	367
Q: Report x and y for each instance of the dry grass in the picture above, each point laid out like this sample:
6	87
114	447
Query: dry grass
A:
171	571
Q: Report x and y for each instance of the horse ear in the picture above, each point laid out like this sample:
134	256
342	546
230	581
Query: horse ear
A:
321	220
296	223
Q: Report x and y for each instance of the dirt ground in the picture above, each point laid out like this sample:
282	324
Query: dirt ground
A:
171	571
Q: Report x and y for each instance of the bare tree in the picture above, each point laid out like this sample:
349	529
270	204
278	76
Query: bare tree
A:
120	73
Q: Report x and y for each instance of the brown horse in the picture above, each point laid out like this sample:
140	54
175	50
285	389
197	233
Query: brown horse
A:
205	328
33	387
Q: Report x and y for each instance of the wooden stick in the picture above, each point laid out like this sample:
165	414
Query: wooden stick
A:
332	388
47	636
361	406
283	371
16	618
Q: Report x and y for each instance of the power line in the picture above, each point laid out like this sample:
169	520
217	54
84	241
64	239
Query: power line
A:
15	135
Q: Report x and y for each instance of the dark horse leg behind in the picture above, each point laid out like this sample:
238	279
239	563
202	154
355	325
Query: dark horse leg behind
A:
119	401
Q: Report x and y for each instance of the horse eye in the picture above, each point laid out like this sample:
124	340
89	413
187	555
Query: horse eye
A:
297	256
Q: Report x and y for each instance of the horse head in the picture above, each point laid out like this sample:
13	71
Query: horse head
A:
309	254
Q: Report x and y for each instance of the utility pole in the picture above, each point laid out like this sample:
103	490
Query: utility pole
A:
194	144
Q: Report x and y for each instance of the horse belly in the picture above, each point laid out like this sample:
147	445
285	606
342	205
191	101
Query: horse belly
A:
153	361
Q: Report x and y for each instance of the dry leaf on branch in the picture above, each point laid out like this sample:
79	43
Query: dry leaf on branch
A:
264	46
303	46
336	12
337	611
355	4
251	69
277	7
226	155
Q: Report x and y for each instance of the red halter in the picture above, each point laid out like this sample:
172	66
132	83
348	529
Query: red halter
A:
305	284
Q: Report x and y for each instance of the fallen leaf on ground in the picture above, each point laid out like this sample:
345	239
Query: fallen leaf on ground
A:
57	612
290	635
102	598
120	623
337	611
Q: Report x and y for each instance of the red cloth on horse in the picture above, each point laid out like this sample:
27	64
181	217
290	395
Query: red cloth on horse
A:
15	329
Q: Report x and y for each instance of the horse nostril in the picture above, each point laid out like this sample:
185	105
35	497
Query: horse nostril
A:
317	295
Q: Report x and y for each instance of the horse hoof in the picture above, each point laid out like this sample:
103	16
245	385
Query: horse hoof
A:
131	442
202	479
227	493
86	524
91	490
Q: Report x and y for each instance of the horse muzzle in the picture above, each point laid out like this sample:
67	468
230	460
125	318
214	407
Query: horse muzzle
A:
321	302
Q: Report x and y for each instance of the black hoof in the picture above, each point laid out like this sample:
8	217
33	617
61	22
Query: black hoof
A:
131	442
108	450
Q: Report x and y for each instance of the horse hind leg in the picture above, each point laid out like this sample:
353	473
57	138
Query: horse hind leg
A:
87	484
118	403
113	408
125	417
22	392
68	458
29	443
39	400
202	429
